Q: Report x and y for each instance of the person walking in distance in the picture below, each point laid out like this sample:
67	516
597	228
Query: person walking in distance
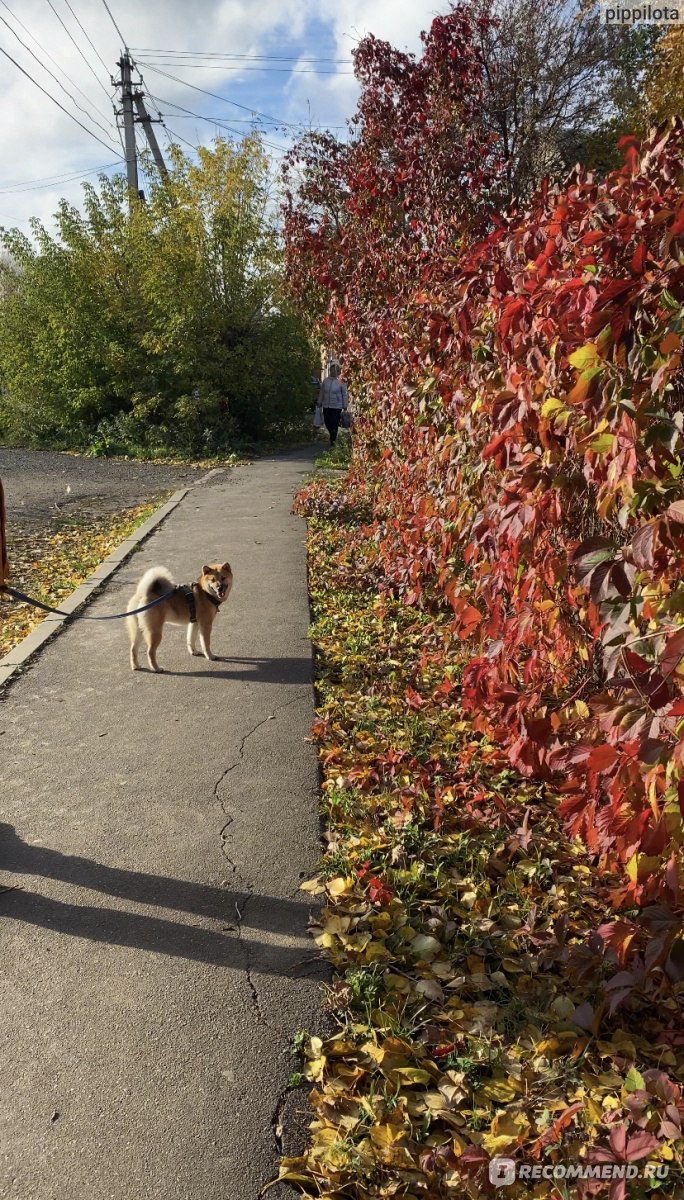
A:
333	399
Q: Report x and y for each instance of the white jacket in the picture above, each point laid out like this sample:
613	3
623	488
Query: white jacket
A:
333	393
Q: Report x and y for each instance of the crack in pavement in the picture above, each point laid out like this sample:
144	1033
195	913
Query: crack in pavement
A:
254	991
240	758
223	833
277	1118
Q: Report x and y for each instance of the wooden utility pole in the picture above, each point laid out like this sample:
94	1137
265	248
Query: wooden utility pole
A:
129	122
132	102
146	122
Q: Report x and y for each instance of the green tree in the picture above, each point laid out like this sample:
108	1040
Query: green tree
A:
165	325
664	85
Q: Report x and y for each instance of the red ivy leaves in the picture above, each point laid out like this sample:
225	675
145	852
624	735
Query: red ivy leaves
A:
522	391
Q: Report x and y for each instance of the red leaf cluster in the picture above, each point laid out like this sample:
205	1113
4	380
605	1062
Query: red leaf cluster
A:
522	430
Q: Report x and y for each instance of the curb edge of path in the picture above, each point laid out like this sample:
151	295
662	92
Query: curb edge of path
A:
51	624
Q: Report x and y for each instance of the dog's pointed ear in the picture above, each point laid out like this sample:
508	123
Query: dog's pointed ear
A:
206	570
227	568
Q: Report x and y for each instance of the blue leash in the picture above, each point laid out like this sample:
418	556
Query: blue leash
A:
110	616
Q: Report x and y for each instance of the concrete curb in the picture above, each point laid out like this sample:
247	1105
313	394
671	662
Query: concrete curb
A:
52	624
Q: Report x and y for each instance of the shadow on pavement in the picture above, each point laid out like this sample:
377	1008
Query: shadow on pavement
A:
238	910
253	670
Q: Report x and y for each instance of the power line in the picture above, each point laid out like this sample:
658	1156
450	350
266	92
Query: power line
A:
236	120
215	96
15	220
123	40
239	67
54	101
54	62
192	54
92	47
145	88
186	113
217	121
271	145
86	61
97	53
171	132
48	181
53	76
118	130
261	128
173	137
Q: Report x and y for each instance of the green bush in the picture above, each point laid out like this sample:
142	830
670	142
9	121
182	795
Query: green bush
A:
163	327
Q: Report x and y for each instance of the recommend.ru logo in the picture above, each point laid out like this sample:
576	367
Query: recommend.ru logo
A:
504	1171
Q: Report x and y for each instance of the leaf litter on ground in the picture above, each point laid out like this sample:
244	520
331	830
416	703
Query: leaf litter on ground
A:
49	564
484	1002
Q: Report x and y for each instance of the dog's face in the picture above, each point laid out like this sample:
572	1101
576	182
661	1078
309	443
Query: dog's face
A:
217	578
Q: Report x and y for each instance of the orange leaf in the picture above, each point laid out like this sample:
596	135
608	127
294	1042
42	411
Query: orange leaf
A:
602	758
671	342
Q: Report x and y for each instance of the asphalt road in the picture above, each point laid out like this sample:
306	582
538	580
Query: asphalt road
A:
155	957
41	486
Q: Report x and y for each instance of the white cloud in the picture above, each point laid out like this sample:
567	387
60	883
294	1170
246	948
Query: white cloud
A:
331	101
38	142
400	24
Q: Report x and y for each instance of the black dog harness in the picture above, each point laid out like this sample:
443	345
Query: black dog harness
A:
187	591
188	594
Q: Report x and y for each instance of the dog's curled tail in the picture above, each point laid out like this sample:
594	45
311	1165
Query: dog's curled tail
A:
154	582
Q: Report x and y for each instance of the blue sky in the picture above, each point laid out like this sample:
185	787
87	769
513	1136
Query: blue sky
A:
253	53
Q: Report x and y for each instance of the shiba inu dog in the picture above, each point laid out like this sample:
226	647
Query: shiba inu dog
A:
194	605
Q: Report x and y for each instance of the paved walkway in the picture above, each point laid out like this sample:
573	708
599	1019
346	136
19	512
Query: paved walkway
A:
155	961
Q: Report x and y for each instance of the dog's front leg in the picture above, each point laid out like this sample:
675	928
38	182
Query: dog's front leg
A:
192	638
205	643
